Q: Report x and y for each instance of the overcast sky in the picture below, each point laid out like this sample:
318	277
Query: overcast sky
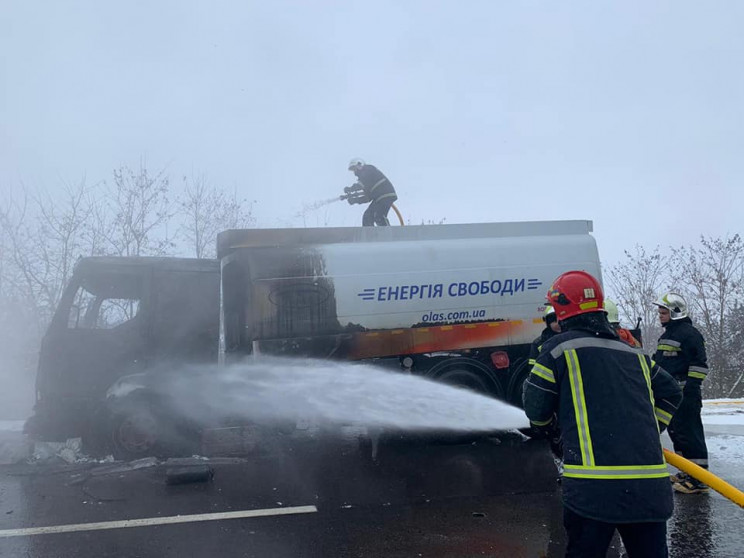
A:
630	114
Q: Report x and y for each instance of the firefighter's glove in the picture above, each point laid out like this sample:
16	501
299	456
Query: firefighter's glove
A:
545	431
537	432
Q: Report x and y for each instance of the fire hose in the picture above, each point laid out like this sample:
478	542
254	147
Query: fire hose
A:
400	217
705	476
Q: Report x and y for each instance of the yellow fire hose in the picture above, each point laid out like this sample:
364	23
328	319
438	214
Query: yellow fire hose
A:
400	217
716	483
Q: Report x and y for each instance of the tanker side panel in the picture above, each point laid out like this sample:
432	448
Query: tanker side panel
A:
392	298
485	279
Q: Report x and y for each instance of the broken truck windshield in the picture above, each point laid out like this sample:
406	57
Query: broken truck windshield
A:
105	302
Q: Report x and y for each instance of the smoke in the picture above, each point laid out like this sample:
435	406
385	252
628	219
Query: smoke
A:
332	393
19	348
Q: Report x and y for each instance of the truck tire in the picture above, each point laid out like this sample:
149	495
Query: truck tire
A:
514	393
136	430
469	374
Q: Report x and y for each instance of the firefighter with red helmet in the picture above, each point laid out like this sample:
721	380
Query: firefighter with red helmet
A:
611	402
681	351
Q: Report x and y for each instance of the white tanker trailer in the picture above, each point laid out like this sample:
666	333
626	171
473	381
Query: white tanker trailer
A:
456	303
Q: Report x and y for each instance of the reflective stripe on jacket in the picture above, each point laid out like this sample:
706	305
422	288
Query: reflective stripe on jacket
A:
611	401
376	185
537	344
681	351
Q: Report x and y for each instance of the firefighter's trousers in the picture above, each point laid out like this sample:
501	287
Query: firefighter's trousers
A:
591	538
376	213
686	428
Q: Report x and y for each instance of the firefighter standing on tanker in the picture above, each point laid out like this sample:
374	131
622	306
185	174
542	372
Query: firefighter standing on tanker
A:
610	402
374	187
681	351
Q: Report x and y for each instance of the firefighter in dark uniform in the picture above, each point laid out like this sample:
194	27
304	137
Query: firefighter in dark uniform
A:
611	402
374	187
681	351
552	327
554	435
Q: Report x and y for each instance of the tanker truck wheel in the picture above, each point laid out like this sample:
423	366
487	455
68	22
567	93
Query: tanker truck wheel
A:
521	373
136	430
514	394
468	374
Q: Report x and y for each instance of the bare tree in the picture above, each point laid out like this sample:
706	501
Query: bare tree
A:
207	210
711	276
735	349
44	236
133	218
634	285
41	239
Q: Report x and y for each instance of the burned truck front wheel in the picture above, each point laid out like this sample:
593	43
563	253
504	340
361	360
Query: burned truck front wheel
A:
137	428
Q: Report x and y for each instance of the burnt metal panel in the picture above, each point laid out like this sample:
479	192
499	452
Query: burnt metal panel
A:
230	240
287	293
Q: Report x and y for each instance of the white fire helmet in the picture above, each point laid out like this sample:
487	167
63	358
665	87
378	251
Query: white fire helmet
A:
613	316
354	163
675	303
549	314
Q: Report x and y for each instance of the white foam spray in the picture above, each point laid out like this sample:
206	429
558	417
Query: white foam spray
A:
338	393
308	207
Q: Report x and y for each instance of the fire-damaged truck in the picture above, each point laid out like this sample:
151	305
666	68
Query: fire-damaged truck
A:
455	303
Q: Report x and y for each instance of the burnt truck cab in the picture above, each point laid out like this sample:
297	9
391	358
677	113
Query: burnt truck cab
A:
120	316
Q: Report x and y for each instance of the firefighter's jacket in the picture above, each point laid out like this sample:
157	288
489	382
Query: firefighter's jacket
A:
611	402
681	352
537	344
375	185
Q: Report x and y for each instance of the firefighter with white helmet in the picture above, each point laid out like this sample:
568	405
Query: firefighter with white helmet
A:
374	187
681	351
610	402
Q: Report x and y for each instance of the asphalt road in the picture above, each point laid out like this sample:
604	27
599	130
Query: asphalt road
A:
325	497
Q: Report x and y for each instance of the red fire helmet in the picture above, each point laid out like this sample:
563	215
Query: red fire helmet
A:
574	293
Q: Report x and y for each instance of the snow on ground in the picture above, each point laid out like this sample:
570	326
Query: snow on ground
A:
723	411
